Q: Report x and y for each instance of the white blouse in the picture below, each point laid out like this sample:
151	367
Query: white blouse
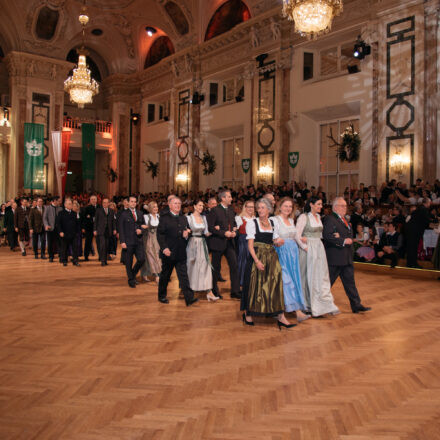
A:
153	221
194	225
251	230
239	220
301	224
292	230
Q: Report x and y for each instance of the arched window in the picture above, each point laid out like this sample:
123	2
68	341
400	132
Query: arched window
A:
228	15
46	23
72	56
161	48
178	17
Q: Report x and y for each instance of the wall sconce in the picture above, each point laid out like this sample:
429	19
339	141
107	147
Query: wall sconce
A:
265	172
182	178
398	163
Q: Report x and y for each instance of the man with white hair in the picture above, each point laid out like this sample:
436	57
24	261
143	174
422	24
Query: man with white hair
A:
338	242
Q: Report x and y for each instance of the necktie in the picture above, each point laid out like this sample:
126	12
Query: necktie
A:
106	211
345	221
134	215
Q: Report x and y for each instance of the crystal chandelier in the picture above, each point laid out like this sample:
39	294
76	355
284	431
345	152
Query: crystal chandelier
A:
81	86
312	17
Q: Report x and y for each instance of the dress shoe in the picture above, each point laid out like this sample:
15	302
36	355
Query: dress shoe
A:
50	259
245	321
218	296
132	284
43	257
164	300
221	279
36	256
191	301
103	263
235	295
361	308
23	253
281	325
75	263
64	264
136	282
211	297
86	258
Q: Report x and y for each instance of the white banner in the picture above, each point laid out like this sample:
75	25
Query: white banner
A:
57	155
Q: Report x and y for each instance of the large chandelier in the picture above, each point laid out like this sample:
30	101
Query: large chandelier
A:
312	17
81	86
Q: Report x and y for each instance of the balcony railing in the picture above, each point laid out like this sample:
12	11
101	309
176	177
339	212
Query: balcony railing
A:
75	124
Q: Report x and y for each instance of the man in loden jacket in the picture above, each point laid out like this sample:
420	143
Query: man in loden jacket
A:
36	228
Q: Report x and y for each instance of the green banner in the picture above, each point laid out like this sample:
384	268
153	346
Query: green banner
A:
33	156
246	165
88	151
293	159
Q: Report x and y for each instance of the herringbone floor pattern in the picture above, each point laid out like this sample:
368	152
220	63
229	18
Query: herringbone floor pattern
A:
84	357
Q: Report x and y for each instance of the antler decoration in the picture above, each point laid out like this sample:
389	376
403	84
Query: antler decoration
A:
335	142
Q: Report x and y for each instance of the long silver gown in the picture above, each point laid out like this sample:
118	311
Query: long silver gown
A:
315	279
197	261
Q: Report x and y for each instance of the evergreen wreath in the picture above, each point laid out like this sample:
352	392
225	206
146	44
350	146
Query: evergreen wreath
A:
208	162
350	145
151	167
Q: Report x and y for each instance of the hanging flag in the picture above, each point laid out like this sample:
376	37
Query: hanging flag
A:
60	147
246	165
88	151
33	156
293	159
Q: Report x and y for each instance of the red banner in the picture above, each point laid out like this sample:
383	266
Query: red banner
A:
65	144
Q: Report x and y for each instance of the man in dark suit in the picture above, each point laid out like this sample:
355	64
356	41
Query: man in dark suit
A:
118	217
21	223
104	227
166	209
222	226
10	227
414	230
37	228
338	242
88	218
50	223
172	235
67	227
131	223
389	246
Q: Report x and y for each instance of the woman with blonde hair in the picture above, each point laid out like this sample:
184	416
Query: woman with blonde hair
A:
247	214
288	255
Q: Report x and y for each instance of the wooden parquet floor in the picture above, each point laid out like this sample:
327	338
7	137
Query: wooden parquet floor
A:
84	357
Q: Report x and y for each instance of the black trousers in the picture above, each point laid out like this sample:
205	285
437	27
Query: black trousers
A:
53	243
392	257
12	239
42	237
88	245
65	243
102	242
231	258
138	251
347	277
168	265
412	244
123	255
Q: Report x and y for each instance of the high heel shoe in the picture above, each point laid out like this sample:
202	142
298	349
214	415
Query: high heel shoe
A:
281	324
210	297
302	319
245	321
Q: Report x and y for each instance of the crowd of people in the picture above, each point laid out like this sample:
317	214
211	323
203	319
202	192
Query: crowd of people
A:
284	245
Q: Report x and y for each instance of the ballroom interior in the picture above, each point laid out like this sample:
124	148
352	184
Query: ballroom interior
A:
234	79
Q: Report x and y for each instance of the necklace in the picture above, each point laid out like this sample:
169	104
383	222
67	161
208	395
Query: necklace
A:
265	225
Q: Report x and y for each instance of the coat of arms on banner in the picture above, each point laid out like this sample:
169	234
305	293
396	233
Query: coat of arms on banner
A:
33	149
246	165
293	159
62	168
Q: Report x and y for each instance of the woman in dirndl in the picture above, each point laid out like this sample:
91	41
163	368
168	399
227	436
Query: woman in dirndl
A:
152	248
263	283
247	214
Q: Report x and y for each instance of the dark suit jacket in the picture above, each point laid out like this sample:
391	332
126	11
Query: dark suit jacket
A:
87	216
418	222
67	222
36	220
21	218
337	253
395	241
128	226
225	218
170	235
104	224
9	220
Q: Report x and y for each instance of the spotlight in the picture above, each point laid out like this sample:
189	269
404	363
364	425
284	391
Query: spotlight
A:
135	118
197	98
150	31
361	49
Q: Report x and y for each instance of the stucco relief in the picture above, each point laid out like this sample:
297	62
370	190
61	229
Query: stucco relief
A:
124	27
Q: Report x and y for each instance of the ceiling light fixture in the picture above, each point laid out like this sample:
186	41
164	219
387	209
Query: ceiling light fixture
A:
81	86
312	17
150	31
